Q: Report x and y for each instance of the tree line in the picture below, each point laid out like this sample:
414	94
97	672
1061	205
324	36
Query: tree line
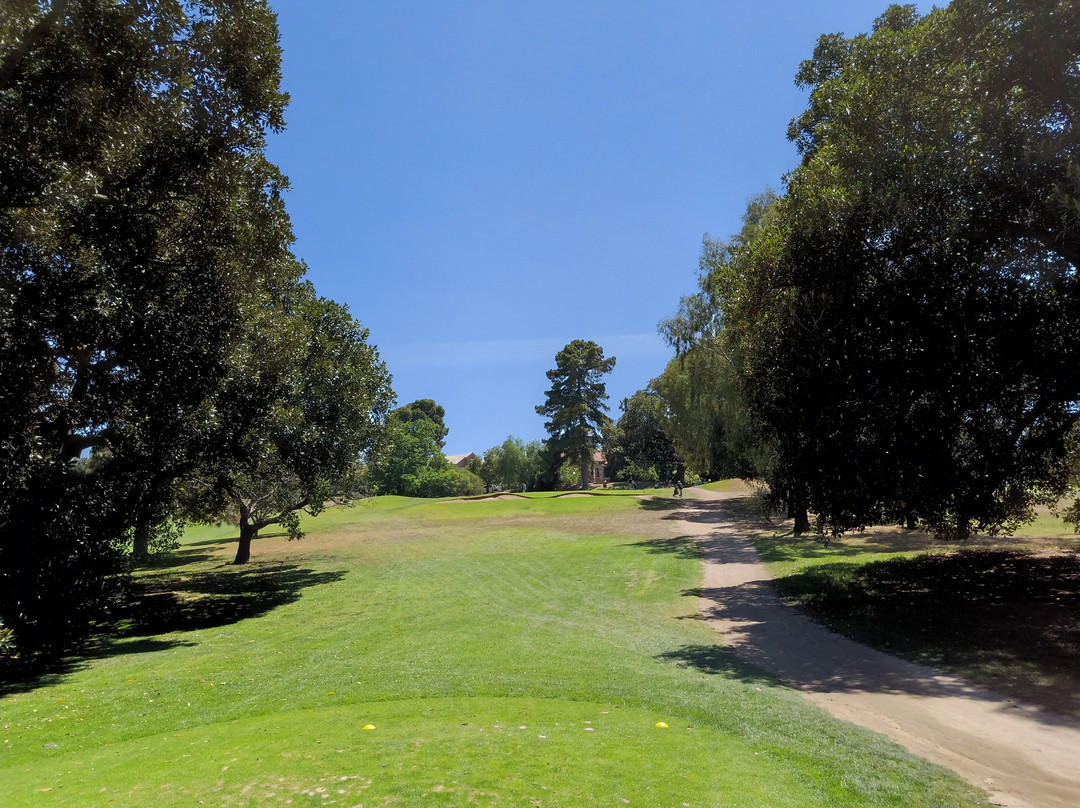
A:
162	356
893	337
896	336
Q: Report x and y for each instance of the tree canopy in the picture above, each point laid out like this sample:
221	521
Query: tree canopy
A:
637	446
139	222
301	447
513	464
904	325
425	409
575	404
412	463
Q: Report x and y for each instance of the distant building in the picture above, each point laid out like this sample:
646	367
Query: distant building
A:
460	460
599	471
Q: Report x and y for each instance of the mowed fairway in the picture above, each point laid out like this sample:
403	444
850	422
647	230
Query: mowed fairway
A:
507	653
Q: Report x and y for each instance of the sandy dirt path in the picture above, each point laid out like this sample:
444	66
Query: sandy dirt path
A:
1025	757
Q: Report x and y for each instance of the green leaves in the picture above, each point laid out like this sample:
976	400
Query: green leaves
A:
575	402
903	323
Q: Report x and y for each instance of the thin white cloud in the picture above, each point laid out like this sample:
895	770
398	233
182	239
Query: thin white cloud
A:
495	353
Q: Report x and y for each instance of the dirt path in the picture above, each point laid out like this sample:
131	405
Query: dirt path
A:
1024	756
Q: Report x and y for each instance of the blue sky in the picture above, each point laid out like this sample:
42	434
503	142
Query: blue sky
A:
482	182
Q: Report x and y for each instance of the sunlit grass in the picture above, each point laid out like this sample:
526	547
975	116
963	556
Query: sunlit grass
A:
515	652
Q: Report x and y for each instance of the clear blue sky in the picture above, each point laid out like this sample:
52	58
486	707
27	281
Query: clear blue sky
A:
482	182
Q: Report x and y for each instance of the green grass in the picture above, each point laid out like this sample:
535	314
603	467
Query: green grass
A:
999	611
512	652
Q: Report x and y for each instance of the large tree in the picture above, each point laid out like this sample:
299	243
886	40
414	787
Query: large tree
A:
907	323
707	415
305	406
412	463
139	223
513	463
575	403
425	409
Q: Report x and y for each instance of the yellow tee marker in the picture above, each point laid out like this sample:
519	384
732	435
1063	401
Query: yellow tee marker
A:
369	726
661	724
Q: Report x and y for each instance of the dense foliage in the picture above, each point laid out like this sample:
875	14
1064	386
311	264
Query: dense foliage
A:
514	464
575	403
153	326
304	406
412	463
139	221
905	326
637	446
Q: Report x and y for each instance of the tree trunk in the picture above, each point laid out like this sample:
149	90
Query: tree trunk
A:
802	520
584	475
248	531
797	507
140	550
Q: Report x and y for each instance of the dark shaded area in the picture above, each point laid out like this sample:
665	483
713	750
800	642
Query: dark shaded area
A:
163	604
1009	620
658	504
717	660
681	546
168	602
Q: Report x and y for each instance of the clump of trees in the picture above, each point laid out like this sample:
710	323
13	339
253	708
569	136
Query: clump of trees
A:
900	328
145	274
637	445
413	463
514	465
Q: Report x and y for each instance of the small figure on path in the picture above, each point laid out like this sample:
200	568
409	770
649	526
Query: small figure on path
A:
678	488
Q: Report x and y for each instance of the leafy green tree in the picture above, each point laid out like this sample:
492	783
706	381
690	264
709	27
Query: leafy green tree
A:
575	403
413	464
905	325
707	416
639	445
303	449
425	409
513	463
140	224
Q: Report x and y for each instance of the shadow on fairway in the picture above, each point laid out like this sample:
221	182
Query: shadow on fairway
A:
715	660
168	603
1006	618
681	546
658	504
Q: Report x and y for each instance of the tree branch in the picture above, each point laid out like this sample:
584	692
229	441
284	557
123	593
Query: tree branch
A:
10	66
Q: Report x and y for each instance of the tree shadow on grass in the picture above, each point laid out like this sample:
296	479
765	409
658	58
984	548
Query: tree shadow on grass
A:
681	546
659	504
168	603
715	660
1008	619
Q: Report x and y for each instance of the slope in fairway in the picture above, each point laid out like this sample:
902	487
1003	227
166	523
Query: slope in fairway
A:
507	653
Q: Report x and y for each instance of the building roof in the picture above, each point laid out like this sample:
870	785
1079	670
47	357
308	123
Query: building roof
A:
460	460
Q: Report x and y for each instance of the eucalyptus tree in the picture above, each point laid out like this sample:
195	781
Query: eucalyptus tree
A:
575	403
